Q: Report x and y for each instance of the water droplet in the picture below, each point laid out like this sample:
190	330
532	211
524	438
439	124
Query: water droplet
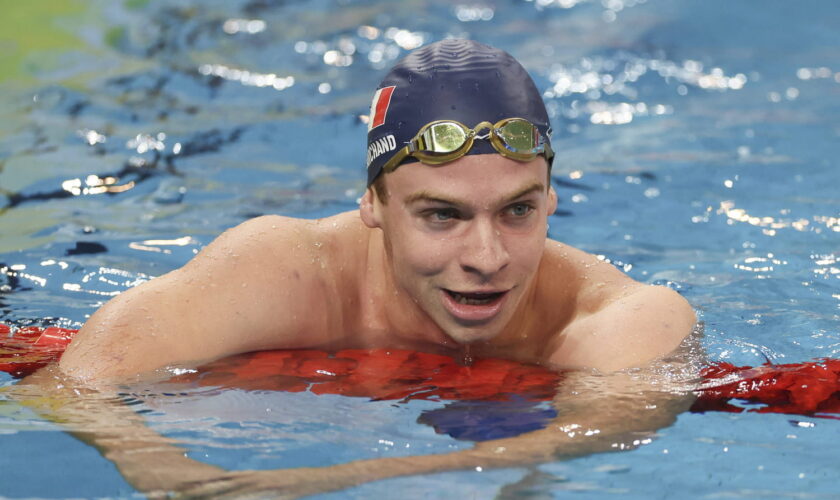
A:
466	356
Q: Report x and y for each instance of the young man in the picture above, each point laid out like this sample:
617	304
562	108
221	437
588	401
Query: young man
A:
447	253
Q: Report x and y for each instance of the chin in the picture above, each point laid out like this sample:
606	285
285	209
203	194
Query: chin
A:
473	334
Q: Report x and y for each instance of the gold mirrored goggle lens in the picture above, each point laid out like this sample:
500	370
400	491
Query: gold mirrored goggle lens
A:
519	136
443	138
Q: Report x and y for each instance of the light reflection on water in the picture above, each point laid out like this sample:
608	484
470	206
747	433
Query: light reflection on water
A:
696	149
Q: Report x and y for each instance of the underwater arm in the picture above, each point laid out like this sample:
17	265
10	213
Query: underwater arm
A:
568	437
596	413
150	462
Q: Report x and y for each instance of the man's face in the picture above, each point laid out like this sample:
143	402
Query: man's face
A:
465	239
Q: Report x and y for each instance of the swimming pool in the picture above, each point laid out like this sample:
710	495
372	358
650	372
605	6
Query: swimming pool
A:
697	147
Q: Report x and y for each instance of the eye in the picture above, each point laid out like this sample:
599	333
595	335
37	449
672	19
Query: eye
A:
520	209
442	215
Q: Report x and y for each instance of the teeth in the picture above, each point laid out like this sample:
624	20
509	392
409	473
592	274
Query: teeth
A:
473	301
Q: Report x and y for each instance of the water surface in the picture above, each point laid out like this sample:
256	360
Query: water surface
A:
697	147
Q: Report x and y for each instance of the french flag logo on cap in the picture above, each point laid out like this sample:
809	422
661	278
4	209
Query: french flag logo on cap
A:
379	107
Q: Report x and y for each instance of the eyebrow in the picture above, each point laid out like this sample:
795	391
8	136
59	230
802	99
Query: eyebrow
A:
439	198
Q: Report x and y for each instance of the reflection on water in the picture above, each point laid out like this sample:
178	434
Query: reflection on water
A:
620	75
740	215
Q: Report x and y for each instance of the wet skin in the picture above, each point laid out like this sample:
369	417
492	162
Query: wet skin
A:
457	256
464	241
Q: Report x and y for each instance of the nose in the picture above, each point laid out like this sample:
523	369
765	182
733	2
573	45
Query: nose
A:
485	252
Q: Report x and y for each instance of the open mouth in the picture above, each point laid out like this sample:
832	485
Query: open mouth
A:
475	299
474	308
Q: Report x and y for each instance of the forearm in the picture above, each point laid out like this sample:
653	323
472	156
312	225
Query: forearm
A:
149	461
571	435
293	483
596	413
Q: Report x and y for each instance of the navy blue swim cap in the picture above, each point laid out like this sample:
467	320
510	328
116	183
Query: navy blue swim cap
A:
459	80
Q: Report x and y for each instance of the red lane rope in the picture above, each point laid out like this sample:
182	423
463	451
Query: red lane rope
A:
31	348
809	388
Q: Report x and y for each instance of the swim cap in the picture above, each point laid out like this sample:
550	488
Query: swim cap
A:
459	80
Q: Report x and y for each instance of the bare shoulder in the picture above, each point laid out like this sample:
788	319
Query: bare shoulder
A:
274	244
275	263
617	321
266	283
586	282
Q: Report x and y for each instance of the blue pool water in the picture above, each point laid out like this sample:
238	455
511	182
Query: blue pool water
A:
697	146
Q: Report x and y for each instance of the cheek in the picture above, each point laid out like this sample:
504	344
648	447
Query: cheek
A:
527	253
429	257
417	254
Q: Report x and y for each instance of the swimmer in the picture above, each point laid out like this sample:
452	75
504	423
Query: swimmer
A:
448	253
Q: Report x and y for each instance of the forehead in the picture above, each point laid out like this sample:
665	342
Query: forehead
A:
479	178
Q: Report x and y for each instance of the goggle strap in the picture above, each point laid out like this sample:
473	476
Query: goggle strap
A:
398	157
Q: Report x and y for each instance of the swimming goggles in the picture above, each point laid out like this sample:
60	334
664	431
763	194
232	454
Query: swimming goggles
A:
443	141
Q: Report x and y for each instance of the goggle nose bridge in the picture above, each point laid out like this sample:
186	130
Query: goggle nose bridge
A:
481	126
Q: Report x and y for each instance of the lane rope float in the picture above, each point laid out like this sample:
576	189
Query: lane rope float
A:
808	388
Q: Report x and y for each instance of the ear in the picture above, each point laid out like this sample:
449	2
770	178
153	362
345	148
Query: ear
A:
369	209
552	200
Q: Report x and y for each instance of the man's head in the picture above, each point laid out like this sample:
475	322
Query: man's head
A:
456	82
465	232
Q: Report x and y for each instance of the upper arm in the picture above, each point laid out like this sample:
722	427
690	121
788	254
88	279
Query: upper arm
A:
617	322
257	286
642	324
